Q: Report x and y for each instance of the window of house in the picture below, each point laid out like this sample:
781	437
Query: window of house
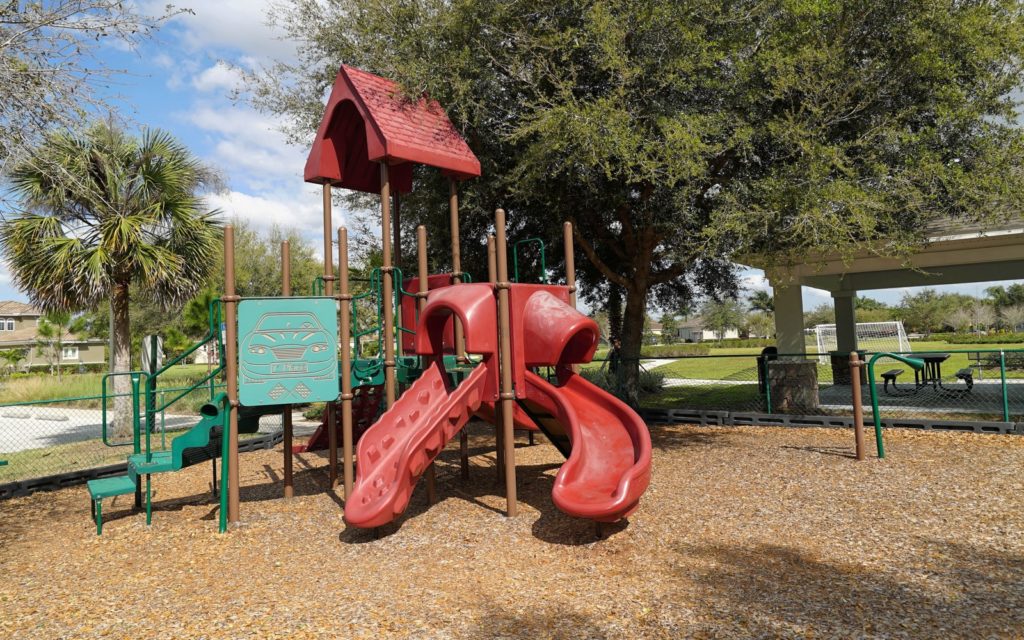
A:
7	324
69	353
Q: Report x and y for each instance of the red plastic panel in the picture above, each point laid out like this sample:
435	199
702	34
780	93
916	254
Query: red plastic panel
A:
409	303
475	306
366	401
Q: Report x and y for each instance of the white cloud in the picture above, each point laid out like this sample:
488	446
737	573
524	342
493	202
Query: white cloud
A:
219	76
231	24
249	146
299	210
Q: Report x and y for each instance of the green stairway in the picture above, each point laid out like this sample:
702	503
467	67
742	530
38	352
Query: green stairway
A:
199	444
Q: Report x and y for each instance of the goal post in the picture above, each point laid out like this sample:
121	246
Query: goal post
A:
871	336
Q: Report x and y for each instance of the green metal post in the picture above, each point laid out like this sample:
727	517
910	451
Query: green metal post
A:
875	415
224	462
151	393
136	426
1002	377
149	500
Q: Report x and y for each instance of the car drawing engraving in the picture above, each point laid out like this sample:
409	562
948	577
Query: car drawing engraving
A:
287	345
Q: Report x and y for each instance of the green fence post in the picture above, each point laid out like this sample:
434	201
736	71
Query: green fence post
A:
1002	376
875	415
136	426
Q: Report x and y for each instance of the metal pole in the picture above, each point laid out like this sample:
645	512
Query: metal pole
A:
499	454
453	219
1002	377
387	293
346	363
396	223
505	351
286	412
876	416
570	275
331	417
230	301
858	403
421	259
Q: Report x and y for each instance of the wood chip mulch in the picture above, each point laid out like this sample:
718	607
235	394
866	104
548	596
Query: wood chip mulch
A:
745	532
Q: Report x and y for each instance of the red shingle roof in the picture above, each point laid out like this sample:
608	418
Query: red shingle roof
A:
368	121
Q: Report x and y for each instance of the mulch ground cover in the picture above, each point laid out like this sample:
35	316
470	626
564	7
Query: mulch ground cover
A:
745	532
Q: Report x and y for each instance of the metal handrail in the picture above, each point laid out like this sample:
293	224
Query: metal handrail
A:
543	260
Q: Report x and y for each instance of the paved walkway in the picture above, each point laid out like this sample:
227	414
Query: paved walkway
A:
28	427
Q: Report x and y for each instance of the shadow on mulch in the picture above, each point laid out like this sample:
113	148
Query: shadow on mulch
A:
771	590
842	452
665	438
501	623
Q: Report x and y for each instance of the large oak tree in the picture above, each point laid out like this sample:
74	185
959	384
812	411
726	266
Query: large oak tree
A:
677	135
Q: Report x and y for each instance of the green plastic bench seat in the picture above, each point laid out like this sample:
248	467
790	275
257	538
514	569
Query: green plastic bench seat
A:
110	487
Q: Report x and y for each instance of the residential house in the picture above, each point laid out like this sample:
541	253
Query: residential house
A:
696	331
19	329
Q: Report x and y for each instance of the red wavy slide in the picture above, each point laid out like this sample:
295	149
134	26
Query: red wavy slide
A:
609	466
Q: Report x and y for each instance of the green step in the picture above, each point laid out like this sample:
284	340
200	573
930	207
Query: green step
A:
109	487
159	462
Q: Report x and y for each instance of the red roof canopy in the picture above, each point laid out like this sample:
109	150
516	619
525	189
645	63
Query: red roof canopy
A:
368	121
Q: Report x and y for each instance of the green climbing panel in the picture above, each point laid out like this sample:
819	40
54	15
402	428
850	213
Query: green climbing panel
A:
287	351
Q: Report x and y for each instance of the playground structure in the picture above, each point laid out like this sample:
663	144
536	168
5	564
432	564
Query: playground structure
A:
476	349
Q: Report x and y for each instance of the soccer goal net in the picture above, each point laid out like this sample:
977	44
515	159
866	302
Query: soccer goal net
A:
871	336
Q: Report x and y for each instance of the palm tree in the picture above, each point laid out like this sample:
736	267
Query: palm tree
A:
105	213
11	358
762	301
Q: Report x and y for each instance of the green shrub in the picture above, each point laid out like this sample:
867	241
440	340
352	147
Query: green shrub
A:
742	343
650	381
674	350
315	411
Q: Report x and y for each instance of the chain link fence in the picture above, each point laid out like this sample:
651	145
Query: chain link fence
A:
68	436
977	390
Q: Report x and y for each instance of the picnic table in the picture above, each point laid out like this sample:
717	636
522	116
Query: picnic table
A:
932	372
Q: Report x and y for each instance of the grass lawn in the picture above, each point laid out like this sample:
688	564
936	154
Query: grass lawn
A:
744	368
85	385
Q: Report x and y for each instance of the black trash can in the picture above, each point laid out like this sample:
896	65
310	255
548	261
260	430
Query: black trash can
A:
768	353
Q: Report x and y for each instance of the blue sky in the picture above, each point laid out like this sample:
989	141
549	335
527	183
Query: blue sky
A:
179	83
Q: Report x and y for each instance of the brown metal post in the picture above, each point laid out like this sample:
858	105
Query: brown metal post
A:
499	454
345	297
570	261
330	410
286	413
396	222
453	219
421	260
388	332
230	301
570	276
858	405
505	351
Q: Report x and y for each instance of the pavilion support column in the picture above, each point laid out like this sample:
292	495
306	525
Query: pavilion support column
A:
846	320
789	317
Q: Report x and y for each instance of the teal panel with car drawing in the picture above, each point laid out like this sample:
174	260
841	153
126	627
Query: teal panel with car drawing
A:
287	351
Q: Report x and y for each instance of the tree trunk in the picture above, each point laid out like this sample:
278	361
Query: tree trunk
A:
122	362
632	340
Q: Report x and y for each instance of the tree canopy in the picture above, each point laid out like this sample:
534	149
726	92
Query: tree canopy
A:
680	135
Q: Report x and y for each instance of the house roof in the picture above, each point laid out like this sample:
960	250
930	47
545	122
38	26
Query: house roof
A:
368	121
15	308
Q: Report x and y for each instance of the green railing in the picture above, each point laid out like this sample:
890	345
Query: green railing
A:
543	260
